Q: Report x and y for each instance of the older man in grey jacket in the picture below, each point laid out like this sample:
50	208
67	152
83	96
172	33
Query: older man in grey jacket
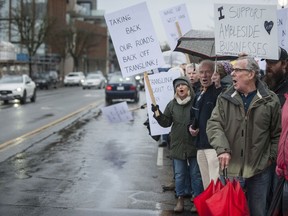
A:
244	129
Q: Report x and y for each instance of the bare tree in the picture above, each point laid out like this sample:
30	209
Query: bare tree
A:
76	41
32	25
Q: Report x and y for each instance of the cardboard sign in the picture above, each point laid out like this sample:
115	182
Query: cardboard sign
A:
134	40
169	18
250	29
162	86
282	28
117	113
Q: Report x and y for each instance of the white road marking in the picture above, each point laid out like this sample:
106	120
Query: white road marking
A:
160	156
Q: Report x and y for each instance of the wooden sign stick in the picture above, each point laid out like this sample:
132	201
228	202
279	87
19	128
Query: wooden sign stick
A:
180	35
147	81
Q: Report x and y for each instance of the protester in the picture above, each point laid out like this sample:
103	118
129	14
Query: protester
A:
192	72
282	159
277	80
203	105
224	69
276	76
182	150
244	129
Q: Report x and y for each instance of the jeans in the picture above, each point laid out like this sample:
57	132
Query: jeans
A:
258	188
181	169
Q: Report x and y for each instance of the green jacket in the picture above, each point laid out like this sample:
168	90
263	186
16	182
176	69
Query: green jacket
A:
178	116
251	138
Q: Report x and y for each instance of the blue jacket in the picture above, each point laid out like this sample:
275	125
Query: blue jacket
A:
201	112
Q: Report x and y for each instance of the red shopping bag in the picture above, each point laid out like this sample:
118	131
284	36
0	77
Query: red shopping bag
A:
230	200
200	200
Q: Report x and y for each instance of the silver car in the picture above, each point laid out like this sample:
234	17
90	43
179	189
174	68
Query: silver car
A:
94	81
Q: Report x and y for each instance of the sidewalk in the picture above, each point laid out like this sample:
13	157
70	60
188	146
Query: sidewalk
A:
167	187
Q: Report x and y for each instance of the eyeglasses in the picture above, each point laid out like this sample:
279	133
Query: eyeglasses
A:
241	69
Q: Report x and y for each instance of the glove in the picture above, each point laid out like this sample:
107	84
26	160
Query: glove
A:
154	108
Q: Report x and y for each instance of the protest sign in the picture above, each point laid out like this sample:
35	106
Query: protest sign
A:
282	28
162	87
134	40
250	29
169	18
117	113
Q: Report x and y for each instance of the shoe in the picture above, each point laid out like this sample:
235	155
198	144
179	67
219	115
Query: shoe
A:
169	187
180	205
193	209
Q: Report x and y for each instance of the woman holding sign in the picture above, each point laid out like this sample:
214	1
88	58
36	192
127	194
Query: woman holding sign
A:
182	149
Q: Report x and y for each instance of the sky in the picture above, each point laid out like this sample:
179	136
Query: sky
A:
200	11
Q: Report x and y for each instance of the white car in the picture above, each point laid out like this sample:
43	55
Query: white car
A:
94	81
74	78
20	87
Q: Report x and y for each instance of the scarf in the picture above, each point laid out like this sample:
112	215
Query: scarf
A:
184	101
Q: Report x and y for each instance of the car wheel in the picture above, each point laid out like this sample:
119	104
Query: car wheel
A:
33	98
5	101
136	99
24	97
108	101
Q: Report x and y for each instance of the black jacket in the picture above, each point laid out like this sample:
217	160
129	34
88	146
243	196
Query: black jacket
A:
281	89
201	112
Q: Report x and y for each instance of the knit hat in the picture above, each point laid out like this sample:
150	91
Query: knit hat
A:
177	82
227	67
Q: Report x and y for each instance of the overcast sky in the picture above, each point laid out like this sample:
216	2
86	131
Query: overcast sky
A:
200	11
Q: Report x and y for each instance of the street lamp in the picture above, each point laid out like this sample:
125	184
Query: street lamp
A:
282	3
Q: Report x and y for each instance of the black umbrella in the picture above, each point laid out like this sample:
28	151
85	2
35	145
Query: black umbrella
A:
200	45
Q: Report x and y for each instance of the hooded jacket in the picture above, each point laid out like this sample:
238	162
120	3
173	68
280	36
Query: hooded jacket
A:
177	116
251	137
282	159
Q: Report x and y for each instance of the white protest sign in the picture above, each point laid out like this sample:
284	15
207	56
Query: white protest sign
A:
134	40
282	28
162	86
250	29
117	113
169	18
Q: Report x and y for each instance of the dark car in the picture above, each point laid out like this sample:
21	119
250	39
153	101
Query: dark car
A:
120	88
46	80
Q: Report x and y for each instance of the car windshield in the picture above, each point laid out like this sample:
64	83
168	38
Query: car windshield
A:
43	75
93	76
11	79
119	79
73	75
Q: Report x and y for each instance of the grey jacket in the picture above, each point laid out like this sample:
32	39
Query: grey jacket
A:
251	138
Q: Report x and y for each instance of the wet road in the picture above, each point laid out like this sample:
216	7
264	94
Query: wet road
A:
90	167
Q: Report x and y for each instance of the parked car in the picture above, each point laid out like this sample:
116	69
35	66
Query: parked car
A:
20	87
94	80
46	80
74	78
121	89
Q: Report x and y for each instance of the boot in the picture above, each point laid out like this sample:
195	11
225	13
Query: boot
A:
180	205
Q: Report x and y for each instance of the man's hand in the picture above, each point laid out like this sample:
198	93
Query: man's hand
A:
193	132
224	159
